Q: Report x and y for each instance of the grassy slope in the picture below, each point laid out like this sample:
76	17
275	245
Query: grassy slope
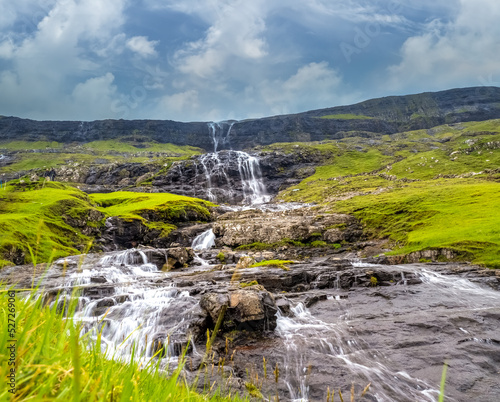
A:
369	178
169	207
35	217
50	352
110	150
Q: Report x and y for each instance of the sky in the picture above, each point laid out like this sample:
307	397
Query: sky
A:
208	60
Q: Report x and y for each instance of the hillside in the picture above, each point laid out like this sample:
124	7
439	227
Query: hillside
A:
387	115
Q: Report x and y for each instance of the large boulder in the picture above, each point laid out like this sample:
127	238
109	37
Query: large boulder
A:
179	257
252	308
305	224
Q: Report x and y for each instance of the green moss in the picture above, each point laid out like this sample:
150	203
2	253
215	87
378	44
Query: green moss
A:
456	214
221	257
35	218
253	390
245	285
159	206
318	243
283	264
373	281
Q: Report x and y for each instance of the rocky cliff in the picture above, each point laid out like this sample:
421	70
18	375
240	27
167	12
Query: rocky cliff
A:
384	115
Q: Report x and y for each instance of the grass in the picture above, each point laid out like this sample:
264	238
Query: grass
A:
53	364
457	214
394	184
153	209
128	150
37	217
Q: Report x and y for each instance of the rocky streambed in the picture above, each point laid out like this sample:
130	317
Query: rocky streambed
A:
319	322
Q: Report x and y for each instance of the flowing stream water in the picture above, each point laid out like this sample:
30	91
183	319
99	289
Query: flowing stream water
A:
397	338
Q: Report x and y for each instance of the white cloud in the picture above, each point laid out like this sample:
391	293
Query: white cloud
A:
182	105
455	53
48	62
237	32
313	86
94	97
142	46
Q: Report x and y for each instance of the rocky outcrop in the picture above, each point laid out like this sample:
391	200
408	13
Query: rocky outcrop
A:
385	115
253	308
305	225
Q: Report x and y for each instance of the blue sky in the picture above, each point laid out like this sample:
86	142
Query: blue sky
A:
203	60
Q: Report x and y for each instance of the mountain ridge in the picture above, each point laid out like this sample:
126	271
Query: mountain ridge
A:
386	115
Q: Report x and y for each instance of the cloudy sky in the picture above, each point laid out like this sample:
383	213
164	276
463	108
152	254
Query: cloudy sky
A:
202	60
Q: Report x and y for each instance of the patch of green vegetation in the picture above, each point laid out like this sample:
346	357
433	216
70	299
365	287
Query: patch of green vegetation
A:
27	145
36	218
456	214
346	116
56	362
283	264
221	257
153	206
318	243
266	246
131	146
373	281
253	390
245	285
35	215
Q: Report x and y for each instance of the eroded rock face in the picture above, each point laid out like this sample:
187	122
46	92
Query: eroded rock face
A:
245	227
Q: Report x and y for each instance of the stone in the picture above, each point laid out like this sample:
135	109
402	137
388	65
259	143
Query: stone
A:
251	309
245	262
178	257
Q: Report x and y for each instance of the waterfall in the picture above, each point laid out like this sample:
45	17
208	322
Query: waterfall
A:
220	168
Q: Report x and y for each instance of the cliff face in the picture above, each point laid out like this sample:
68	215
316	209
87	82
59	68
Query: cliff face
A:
383	115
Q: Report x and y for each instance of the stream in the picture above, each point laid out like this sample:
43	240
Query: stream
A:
396	337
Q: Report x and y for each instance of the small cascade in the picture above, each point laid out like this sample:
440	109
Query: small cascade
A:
254	190
227	174
335	344
120	296
201	242
204	240
217	131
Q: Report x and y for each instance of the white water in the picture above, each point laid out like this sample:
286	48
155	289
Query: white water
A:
138	313
252	184
306	336
439	300
204	240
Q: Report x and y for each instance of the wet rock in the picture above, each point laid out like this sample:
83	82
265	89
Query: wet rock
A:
251	309
284	306
155	256
179	257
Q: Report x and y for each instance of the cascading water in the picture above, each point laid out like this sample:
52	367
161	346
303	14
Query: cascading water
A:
217	172
204	240
123	297
201	242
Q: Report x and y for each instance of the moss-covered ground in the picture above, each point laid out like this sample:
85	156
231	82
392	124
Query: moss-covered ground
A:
35	217
437	188
44	154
